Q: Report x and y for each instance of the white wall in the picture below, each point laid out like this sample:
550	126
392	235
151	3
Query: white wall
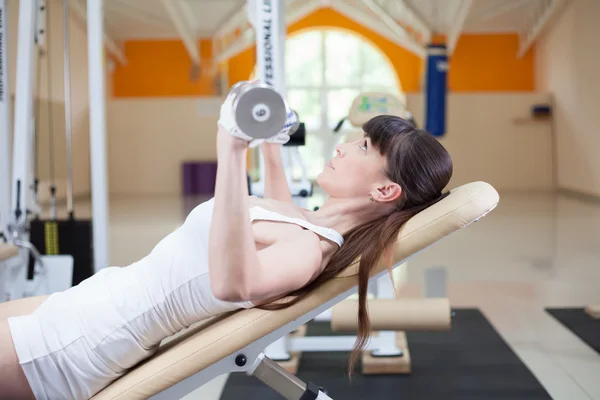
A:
567	62
79	99
150	138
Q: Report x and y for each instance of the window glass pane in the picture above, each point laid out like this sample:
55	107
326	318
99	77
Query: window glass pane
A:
342	59
304	59
377	71
307	104
312	156
338	105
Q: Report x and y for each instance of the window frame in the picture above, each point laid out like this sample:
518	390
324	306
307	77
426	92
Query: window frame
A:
324	89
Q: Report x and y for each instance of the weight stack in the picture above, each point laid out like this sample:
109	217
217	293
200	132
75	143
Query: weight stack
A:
65	237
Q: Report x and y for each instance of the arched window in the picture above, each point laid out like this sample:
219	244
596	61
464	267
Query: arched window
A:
325	70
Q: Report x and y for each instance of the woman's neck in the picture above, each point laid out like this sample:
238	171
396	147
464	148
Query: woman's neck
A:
343	215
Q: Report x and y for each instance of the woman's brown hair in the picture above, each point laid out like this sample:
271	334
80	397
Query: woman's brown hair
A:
422	167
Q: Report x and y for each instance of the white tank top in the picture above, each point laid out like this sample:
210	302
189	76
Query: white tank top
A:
123	314
173	282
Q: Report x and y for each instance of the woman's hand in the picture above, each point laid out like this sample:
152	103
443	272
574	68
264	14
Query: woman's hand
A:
227	143
284	134
227	123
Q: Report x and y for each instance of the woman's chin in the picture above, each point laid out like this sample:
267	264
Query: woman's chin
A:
321	179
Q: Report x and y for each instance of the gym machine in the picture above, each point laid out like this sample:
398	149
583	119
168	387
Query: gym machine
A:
20	188
53	254
268	20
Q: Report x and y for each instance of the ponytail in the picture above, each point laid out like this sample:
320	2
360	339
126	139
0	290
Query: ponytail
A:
371	242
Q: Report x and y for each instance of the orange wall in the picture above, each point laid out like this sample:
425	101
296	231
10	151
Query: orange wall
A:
489	63
480	63
160	68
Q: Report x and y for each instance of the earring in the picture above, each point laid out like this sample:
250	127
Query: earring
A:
371	197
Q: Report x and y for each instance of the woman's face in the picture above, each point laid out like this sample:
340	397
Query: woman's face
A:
357	170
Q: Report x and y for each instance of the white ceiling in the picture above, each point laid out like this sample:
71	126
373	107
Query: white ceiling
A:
147	19
189	20
131	19
483	15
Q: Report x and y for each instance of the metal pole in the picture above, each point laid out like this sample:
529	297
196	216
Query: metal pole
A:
67	84
286	384
97	89
5	121
23	111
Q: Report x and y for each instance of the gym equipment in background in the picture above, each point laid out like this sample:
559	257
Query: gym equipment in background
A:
68	236
54	254
436	87
371	104
267	18
593	311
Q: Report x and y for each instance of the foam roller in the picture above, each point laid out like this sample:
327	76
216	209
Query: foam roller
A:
593	311
394	315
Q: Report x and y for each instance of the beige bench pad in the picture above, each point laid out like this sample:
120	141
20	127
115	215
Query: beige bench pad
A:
204	345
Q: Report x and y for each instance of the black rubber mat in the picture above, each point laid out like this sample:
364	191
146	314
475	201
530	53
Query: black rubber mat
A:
580	323
471	361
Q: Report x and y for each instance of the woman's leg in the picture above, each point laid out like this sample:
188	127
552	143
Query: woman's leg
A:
20	307
13	384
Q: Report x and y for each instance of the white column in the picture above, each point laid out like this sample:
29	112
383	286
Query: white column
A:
97	89
270	36
23	108
5	120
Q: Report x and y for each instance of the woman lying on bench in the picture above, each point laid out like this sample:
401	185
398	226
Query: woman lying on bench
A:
233	251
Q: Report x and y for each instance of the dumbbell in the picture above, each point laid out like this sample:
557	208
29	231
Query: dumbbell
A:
296	125
258	109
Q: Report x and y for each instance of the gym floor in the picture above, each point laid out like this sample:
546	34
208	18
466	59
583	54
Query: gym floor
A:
534	251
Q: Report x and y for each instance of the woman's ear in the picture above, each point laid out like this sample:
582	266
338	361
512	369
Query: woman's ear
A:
388	192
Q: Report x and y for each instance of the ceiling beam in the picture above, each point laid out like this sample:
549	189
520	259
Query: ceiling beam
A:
294	12
410	17
243	42
141	15
501	9
397	35
189	39
236	19
459	21
546	12
391	23
189	16
112	47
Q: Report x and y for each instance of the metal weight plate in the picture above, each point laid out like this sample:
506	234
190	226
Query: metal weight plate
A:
259	112
236	89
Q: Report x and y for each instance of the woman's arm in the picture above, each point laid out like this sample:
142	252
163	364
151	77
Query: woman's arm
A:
231	252
238	272
276	185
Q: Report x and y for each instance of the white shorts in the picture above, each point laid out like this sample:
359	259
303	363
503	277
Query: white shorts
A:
77	342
